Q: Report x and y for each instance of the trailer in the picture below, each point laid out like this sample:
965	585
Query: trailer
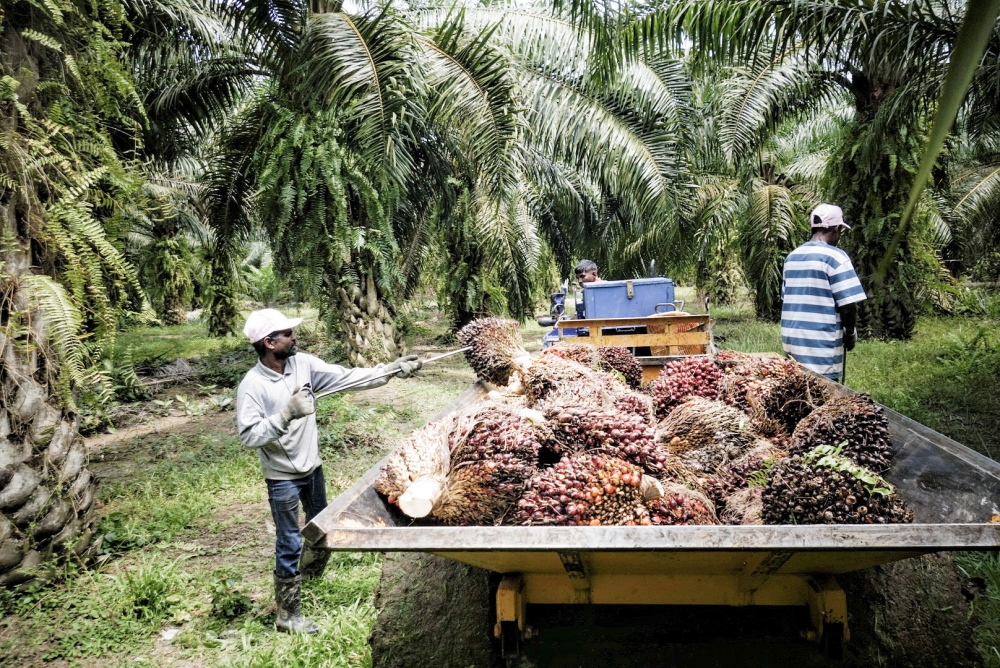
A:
953	491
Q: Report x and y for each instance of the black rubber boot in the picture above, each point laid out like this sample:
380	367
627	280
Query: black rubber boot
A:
312	563
287	595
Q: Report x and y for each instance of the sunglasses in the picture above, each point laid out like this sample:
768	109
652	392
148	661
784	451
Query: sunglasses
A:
274	336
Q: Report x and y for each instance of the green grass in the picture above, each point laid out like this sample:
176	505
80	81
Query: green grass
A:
736	329
193	474
163	344
184	512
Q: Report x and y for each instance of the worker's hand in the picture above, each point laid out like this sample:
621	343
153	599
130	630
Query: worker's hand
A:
300	405
405	366
850	340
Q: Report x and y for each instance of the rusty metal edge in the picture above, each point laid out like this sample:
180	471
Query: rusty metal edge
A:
811	538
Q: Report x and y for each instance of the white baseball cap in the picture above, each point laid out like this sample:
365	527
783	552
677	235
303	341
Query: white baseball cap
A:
263	322
828	215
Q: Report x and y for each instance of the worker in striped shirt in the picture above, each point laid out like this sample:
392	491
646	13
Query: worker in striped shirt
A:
820	293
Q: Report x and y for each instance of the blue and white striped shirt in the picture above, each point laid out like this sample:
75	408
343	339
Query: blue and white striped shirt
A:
817	279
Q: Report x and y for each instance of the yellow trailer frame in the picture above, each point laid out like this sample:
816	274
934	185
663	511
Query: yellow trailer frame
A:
954	492
751	585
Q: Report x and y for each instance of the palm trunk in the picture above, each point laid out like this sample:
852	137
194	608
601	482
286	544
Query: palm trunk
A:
872	211
367	325
223	303
46	492
174	308
872	175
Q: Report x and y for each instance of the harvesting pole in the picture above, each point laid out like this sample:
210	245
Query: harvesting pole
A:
389	373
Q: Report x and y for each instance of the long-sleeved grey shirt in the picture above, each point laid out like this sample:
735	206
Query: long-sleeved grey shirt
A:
289	450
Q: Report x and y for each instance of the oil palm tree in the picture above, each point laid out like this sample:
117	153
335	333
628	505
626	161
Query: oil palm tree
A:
188	74
337	151
70	120
486	106
756	178
888	58
599	168
974	200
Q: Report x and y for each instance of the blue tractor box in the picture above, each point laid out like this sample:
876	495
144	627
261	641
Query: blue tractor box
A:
636	298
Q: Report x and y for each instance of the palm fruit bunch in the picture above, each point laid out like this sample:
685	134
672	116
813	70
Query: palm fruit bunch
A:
775	392
791	399
704	434
621	360
691	377
745	506
496	348
414	475
552	381
679	506
623	435
748	469
636	404
583	490
823	487
760	457
491	460
604	358
855	421
745	377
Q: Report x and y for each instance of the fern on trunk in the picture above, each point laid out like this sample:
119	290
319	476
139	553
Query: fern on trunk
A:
65	286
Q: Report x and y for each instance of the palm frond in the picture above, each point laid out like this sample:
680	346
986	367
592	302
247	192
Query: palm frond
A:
772	229
977	196
360	65
470	89
64	326
639	165
758	101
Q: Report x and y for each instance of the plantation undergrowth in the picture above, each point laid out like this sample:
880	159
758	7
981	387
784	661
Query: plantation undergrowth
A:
189	546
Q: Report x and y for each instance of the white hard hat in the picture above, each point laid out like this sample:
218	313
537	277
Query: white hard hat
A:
263	322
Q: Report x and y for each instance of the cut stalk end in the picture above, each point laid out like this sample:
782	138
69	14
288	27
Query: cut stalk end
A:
420	498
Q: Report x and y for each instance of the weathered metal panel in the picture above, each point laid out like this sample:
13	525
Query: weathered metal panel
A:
797	538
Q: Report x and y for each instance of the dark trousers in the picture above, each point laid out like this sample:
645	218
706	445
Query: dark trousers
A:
284	497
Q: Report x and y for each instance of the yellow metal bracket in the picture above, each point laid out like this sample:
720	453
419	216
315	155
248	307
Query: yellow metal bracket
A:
757	571
759	583
578	577
512	606
827	605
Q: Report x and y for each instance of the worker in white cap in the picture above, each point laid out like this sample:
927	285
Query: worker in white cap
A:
275	414
820	292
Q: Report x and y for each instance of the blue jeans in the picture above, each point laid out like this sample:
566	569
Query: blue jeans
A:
284	496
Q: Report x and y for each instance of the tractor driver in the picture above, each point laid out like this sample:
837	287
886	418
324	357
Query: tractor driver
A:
586	272
275	416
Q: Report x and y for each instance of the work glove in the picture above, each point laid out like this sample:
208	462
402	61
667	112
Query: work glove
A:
300	405
850	340
404	367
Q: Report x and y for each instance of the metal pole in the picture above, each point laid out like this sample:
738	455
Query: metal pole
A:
389	373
